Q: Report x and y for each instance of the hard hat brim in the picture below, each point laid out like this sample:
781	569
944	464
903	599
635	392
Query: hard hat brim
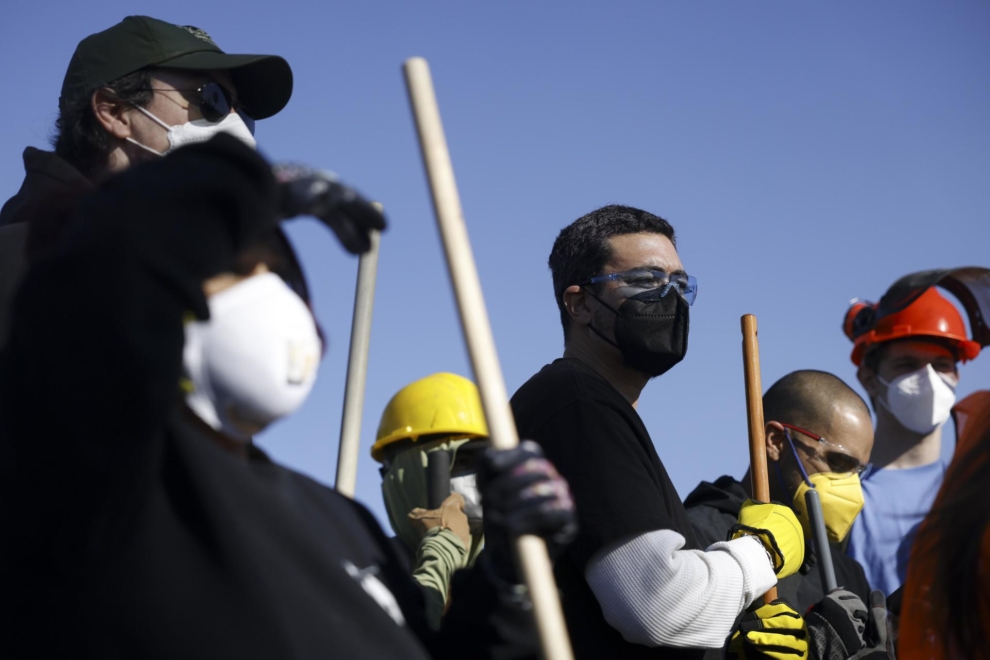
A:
965	349
378	449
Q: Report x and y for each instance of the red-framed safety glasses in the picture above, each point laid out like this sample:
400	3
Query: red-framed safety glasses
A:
833	454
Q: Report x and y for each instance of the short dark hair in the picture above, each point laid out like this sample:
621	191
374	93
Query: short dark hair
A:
79	139
582	248
805	398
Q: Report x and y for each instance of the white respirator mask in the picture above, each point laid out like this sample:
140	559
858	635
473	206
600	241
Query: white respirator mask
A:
921	400
255	360
199	130
467	487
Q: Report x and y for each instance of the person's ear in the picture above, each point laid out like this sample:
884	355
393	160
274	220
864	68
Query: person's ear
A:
576	304
112	114
775	441
868	379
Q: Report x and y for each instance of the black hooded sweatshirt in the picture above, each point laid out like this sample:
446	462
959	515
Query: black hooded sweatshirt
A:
126	532
713	509
47	198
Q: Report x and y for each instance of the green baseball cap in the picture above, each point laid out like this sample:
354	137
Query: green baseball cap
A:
264	82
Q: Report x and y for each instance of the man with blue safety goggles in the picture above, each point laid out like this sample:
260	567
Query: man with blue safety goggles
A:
636	583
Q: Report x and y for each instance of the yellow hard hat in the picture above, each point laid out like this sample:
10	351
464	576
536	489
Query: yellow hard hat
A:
443	403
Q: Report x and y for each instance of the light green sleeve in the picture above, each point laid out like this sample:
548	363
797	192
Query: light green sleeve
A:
440	553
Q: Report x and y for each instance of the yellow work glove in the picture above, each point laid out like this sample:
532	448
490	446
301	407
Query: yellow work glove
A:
779	530
771	631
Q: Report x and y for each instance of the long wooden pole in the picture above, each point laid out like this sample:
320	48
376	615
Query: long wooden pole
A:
531	552
357	368
754	415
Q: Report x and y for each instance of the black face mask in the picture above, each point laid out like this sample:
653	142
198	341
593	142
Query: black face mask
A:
651	331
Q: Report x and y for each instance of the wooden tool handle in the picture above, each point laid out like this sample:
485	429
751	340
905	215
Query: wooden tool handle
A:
754	416
357	368
531	551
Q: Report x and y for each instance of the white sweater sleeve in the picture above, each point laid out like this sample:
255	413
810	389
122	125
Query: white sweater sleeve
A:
657	594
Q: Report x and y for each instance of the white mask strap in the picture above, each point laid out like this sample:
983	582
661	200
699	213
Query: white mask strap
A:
153	118
143	146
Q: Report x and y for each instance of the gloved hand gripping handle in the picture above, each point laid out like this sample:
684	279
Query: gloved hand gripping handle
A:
307	191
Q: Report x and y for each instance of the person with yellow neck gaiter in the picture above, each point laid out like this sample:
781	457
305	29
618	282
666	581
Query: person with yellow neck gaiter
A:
439	413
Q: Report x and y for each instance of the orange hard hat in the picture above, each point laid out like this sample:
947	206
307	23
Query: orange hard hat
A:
929	315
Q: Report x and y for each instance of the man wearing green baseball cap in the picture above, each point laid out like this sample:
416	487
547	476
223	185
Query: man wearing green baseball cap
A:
131	93
187	88
160	329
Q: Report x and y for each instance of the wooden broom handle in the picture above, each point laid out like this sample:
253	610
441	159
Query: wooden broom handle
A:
531	551
754	416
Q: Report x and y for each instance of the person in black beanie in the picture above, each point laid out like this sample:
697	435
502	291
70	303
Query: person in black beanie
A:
161	322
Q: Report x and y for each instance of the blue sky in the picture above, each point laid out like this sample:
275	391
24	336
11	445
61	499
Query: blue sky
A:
805	153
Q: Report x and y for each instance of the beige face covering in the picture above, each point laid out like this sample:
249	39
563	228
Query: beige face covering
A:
404	489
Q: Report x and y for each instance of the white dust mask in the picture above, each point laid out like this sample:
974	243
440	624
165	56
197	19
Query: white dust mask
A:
199	130
255	360
467	486
921	400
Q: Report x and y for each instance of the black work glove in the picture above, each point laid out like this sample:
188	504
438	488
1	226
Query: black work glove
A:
842	626
305	191
522	493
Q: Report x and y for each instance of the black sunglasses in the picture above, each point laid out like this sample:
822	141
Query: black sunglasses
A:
214	101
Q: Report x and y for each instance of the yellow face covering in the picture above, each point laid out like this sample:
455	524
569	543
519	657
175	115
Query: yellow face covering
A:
842	500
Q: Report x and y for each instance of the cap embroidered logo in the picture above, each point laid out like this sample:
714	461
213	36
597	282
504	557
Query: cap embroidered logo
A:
199	34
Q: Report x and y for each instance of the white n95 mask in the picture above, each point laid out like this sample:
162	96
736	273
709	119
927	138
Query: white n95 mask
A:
255	360
921	400
199	130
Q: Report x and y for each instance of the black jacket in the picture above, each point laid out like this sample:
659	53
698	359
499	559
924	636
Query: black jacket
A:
713	509
129	534
47	198
51	188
